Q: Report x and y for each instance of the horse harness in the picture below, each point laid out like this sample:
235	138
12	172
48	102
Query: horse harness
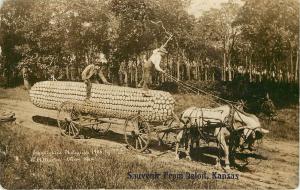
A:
205	126
234	131
201	126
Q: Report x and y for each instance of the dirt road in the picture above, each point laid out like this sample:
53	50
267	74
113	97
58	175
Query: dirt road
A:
278	169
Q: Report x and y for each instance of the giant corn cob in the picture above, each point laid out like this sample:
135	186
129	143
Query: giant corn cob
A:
105	101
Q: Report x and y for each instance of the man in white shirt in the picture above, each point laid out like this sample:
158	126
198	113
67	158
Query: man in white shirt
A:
154	60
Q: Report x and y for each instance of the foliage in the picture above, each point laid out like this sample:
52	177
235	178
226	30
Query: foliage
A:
271	28
41	34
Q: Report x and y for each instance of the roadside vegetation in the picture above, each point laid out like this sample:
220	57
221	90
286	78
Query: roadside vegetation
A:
106	168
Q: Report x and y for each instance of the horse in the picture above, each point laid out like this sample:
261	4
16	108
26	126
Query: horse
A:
230	126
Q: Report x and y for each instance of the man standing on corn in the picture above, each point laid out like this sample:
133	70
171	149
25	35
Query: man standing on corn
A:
154	60
91	72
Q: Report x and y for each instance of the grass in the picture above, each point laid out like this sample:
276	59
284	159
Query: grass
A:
108	169
288	126
18	93
184	101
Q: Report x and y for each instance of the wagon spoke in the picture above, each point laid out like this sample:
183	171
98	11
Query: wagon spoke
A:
136	144
64	125
68	132
69	128
141	137
140	142
66	119
76	130
72	127
73	113
136	133
65	129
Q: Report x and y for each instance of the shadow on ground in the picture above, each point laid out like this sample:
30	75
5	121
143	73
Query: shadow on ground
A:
205	154
45	120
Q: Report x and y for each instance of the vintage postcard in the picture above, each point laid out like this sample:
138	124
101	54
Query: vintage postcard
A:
149	94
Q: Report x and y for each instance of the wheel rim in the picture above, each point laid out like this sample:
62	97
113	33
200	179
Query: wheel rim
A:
68	120
137	134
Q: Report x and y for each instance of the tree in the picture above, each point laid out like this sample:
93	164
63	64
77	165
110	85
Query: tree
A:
12	14
52	32
39	36
271	27
221	33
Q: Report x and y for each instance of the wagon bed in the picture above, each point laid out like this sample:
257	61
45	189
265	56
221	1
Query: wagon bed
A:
140	114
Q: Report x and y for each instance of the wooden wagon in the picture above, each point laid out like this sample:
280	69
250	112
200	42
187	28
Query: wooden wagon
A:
139	112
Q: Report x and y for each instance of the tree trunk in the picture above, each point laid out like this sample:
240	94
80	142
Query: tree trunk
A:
297	67
205	73
67	72
201	71
126	78
25	78
247	67
229	70
196	73
224	68
178	68
110	76
72	73
292	64
131	68
250	69
136	74
79	71
260	76
131	75
188	71
7	77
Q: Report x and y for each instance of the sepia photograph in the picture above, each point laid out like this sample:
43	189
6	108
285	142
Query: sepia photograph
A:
149	94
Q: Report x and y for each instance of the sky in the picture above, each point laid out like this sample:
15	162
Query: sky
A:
1	1
199	6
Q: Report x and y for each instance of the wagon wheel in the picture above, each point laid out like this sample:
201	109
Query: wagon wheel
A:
68	119
137	133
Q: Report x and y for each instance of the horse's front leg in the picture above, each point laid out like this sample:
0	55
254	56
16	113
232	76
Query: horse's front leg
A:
176	151
197	142
178	140
225	148
220	133
188	148
232	154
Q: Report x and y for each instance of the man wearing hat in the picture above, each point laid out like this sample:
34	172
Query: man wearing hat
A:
154	60
91	72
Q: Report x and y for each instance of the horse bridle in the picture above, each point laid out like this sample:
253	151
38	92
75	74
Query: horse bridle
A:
233	110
